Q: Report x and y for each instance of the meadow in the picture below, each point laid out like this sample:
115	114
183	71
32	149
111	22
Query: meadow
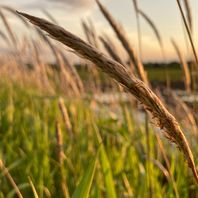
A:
106	127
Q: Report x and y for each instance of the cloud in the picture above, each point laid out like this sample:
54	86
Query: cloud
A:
75	4
64	4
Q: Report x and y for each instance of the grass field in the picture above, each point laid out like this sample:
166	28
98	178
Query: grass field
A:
58	138
157	74
29	147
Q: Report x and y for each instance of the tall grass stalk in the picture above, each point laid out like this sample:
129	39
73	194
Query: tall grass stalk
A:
166	121
49	16
125	42
8	28
189	32
188	112
150	185
160	41
4	37
189	14
163	152
60	155
65	117
10	179
184	66
139	33
12	11
110	48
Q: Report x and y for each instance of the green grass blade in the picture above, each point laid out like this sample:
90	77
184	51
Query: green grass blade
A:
106	168
84	186
110	188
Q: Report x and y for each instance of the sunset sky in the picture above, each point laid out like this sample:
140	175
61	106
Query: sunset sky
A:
69	13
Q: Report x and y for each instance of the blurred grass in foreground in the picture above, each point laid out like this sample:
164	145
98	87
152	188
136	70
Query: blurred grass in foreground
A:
29	149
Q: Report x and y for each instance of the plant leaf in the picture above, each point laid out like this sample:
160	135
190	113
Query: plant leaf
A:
84	186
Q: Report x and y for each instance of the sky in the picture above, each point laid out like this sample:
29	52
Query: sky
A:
69	13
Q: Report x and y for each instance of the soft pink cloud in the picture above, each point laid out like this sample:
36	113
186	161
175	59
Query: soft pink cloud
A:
76	3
